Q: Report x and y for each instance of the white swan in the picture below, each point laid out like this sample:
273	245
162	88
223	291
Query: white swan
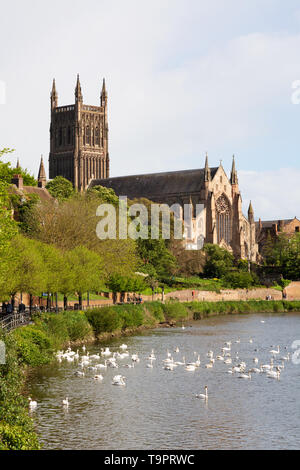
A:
245	376
119	380
66	402
32	404
123	347
203	396
190	367
272	374
102	366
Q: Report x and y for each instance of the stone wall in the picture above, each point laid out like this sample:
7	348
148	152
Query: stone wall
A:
293	291
236	294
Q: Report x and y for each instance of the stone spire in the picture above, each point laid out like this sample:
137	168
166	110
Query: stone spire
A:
42	175
54	96
207	174
103	94
250	213
78	92
234	177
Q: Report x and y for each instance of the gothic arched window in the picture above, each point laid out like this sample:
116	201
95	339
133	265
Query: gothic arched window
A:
88	135
60	136
223	216
97	136
69	135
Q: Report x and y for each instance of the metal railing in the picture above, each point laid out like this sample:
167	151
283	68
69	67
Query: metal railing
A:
14	320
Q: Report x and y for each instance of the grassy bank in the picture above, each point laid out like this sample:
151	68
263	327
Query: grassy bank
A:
35	344
205	309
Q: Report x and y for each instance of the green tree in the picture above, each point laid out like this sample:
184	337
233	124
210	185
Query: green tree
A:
7	171
156	254
27	272
218	261
60	188
107	195
86	267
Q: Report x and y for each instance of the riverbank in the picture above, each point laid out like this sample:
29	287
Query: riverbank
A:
35	345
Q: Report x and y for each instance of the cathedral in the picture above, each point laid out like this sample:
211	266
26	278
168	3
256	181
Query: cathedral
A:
79	152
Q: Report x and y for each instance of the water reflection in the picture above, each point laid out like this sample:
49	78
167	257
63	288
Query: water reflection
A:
158	410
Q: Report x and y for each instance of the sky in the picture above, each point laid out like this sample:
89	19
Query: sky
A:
184	77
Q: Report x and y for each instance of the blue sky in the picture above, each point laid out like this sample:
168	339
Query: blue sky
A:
183	77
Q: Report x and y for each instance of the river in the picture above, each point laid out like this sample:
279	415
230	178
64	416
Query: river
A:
158	410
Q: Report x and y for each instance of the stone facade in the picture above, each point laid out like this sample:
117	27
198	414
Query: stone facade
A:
224	221
273	228
79	139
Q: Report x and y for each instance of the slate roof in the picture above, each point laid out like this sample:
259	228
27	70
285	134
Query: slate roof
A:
270	223
156	185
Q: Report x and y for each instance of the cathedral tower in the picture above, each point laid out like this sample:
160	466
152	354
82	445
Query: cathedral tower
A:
79	139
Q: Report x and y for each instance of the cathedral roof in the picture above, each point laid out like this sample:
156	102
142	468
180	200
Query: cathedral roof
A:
155	185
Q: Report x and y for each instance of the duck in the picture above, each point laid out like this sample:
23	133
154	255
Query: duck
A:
98	377
79	373
205	395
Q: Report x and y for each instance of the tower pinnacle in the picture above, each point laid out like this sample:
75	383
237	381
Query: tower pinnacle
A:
234	177
78	92
103	94
207	174
54	96
42	175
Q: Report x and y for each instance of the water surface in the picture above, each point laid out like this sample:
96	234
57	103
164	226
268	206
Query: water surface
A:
158	410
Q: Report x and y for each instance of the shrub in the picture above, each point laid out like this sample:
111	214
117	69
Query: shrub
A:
238	280
104	320
34	346
156	310
14	437
175	311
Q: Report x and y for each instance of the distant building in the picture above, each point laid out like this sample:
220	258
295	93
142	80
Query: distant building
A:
273	228
40	190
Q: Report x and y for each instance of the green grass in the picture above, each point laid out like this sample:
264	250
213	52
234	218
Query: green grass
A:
205	309
74	298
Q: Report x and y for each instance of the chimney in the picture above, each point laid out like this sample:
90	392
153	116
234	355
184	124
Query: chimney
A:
18	181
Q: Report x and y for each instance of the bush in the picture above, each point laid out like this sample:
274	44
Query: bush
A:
104	320
156	310
238	280
175	311
17	438
34	346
